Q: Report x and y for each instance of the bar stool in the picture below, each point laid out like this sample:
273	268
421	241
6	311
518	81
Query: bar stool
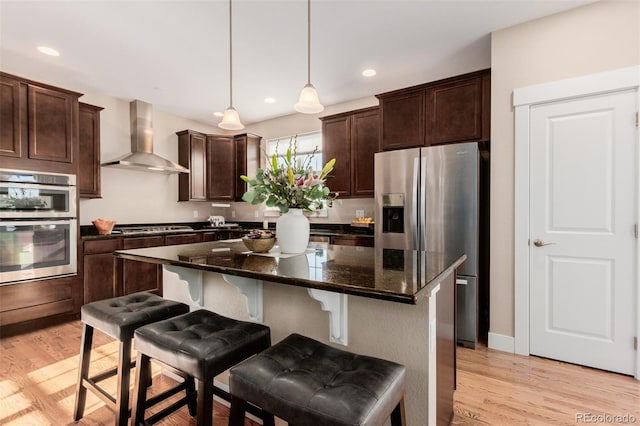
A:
200	344
306	382
117	317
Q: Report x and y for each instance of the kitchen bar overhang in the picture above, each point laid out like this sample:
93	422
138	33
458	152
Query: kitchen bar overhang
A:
403	276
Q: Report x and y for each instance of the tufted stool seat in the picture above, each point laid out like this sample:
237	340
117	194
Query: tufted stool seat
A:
200	344
306	382
118	317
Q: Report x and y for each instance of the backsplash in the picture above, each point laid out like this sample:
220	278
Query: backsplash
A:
343	211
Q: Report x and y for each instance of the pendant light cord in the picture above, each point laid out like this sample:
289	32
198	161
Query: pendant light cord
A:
230	58
308	41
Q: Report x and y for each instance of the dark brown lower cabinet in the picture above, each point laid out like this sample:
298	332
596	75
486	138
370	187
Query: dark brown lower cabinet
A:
170	240
101	269
44	301
141	276
352	240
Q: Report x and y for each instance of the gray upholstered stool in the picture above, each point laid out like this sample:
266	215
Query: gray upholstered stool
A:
306	382
200	344
118	318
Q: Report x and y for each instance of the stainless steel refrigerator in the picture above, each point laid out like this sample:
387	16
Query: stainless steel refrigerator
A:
427	199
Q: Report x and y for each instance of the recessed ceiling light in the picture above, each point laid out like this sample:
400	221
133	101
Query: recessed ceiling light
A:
48	51
218	114
369	72
269	100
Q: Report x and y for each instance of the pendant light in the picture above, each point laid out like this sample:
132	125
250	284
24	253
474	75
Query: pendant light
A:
230	118
308	103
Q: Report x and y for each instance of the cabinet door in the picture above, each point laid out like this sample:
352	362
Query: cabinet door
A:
141	276
11	117
89	142
403	120
247	160
336	143
51	130
100	270
365	142
221	171
455	112
192	153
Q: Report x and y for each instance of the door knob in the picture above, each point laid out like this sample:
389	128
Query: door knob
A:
540	243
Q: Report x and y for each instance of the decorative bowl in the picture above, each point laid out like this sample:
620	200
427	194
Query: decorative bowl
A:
104	226
259	245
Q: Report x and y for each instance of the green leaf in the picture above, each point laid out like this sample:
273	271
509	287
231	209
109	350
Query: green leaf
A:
245	178
249	196
327	168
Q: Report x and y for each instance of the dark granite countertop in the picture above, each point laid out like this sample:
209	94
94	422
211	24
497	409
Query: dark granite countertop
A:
396	275
89	232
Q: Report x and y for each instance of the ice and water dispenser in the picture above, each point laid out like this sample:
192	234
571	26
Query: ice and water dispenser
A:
393	213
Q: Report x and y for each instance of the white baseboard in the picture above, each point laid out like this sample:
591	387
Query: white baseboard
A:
501	342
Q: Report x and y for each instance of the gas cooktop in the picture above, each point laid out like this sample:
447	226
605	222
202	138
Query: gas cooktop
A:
152	229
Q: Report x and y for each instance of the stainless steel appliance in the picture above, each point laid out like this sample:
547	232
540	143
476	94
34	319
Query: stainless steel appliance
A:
427	199
38	225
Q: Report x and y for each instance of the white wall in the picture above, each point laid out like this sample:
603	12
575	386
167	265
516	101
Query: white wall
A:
130	196
594	38
344	211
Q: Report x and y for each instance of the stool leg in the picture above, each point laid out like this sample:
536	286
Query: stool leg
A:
205	402
140	389
237	411
83	371
397	416
192	403
123	379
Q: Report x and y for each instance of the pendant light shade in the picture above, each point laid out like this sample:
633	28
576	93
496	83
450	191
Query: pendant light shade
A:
308	102
230	118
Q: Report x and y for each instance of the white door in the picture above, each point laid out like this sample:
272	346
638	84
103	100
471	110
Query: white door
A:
584	187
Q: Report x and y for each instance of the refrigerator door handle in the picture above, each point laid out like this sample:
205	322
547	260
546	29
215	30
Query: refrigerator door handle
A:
415	210
422	205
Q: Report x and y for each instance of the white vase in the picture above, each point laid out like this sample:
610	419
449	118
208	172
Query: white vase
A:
292	231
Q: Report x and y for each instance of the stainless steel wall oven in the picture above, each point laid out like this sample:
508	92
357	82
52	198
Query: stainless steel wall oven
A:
38	225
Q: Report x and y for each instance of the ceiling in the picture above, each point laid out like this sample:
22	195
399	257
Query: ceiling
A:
175	54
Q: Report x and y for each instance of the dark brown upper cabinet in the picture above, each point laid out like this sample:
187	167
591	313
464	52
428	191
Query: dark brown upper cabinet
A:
192	154
352	138
453	110
89	151
247	160
39	125
221	171
215	164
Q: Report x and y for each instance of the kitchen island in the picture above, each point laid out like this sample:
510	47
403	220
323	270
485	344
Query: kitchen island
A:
393	304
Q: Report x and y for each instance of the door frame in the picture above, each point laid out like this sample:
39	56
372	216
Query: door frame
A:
523	99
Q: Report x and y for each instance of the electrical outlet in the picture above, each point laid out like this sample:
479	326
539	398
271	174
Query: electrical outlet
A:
233	214
195	213
359	213
256	214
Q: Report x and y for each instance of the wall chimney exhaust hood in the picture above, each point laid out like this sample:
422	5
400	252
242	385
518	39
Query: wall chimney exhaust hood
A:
141	156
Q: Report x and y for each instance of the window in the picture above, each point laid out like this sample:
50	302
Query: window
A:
306	143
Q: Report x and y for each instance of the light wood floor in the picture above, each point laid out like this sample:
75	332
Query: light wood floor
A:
38	374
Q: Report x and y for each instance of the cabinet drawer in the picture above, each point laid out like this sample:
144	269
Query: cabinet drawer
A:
102	246
143	242
210	236
352	241
181	239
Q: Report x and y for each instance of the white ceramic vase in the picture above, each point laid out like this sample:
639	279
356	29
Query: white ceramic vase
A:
292	231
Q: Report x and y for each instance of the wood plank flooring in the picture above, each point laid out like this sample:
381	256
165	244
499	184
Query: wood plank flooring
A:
38	372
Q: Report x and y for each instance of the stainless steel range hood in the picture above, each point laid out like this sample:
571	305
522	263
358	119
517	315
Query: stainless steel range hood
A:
141	156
